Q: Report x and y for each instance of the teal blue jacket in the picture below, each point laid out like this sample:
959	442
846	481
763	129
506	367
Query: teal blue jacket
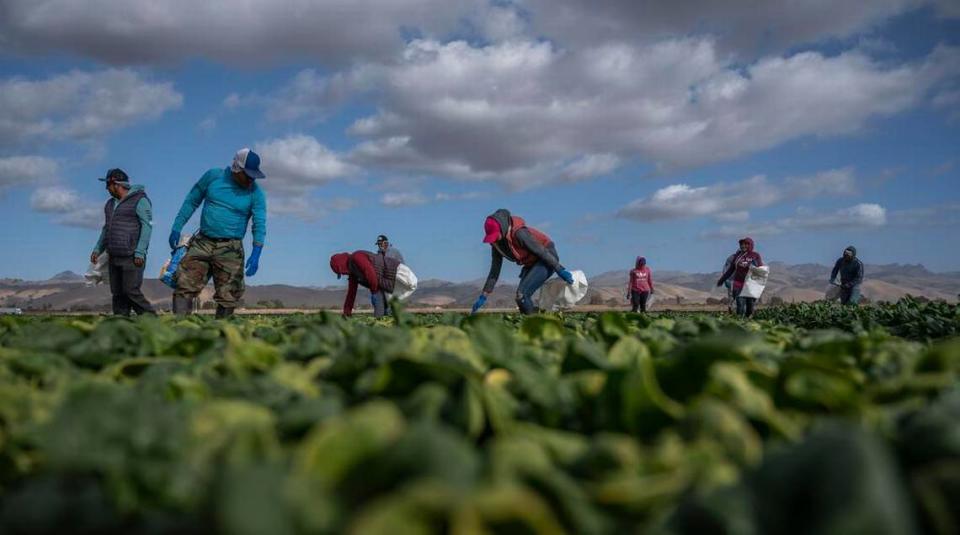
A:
145	215
227	207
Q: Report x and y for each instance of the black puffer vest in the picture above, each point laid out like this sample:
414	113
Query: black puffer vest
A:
122	225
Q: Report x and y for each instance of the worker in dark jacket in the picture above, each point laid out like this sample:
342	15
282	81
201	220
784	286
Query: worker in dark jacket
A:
739	269
510	237
386	250
374	271
850	269
125	236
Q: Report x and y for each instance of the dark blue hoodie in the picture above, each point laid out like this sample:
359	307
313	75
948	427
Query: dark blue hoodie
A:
850	271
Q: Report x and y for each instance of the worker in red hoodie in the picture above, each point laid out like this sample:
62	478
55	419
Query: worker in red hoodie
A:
370	270
640	285
745	258
510	237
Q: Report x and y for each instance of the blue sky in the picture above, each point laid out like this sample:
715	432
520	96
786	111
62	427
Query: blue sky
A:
619	128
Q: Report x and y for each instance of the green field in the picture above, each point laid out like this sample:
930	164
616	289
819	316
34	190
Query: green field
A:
810	419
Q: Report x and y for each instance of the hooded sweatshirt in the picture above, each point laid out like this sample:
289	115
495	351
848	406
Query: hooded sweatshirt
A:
518	240
364	268
741	264
641	279
850	270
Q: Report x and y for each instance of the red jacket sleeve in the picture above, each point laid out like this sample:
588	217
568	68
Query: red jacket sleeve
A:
759	260
362	261
351	297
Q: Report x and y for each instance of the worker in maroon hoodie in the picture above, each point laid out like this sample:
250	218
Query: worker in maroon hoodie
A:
510	237
745	258
370	270
640	285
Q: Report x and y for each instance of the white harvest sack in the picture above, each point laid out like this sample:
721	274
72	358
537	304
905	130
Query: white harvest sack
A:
756	281
98	273
406	282
832	293
558	295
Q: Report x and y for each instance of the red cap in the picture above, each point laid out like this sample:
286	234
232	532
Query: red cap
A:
491	230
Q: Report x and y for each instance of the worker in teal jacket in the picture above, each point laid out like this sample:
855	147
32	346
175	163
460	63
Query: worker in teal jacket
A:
231	197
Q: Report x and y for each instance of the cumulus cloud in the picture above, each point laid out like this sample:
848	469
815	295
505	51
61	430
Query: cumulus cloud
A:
308	208
938	215
416	198
860	216
298	163
730	201
27	171
80	105
527	112
67	206
742	27
254	31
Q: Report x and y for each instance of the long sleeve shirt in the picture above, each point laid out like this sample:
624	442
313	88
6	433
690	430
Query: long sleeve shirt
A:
741	267
547	254
227	207
361	273
641	280
851	272
145	215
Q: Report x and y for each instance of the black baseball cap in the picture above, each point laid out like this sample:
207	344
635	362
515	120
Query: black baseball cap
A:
115	175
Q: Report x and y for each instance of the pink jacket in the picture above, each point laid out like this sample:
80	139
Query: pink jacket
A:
641	279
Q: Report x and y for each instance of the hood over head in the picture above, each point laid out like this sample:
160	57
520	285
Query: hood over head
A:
749	241
501	218
340	264
641	261
852	249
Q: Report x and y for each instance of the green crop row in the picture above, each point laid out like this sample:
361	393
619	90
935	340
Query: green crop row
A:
592	424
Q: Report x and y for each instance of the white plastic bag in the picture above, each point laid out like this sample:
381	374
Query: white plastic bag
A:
98	273
756	281
832	293
556	294
406	282
651	299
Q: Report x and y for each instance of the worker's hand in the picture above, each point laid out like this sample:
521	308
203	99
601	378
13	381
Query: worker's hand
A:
719	283
482	300
93	257
174	239
253	263
138	261
566	276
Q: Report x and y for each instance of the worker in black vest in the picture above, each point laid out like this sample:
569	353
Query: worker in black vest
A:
128	220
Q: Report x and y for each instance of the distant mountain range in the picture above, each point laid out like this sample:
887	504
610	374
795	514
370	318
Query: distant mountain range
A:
66	291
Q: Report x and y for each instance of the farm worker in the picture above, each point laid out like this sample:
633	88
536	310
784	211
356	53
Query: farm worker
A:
230	197
731	302
370	270
387	250
745	258
850	269
640	285
510	237
125	236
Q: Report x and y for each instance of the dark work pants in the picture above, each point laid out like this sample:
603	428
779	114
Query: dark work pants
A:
850	296
638	300
381	302
125	281
531	279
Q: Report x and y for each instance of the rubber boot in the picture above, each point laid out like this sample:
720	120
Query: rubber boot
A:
182	306
223	312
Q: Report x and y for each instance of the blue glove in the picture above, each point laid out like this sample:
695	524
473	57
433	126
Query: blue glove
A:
566	276
174	239
253	263
482	300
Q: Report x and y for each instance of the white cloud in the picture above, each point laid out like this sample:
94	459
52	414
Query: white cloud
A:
308	208
68	207
27	171
939	215
80	105
299	163
742	27
866	215
729	201
239	33
397	200
528	113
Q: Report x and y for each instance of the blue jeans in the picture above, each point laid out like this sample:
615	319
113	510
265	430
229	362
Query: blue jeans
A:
531	279
745	305
380	304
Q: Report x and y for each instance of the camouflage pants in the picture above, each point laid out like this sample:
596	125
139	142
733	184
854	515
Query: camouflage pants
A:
223	260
